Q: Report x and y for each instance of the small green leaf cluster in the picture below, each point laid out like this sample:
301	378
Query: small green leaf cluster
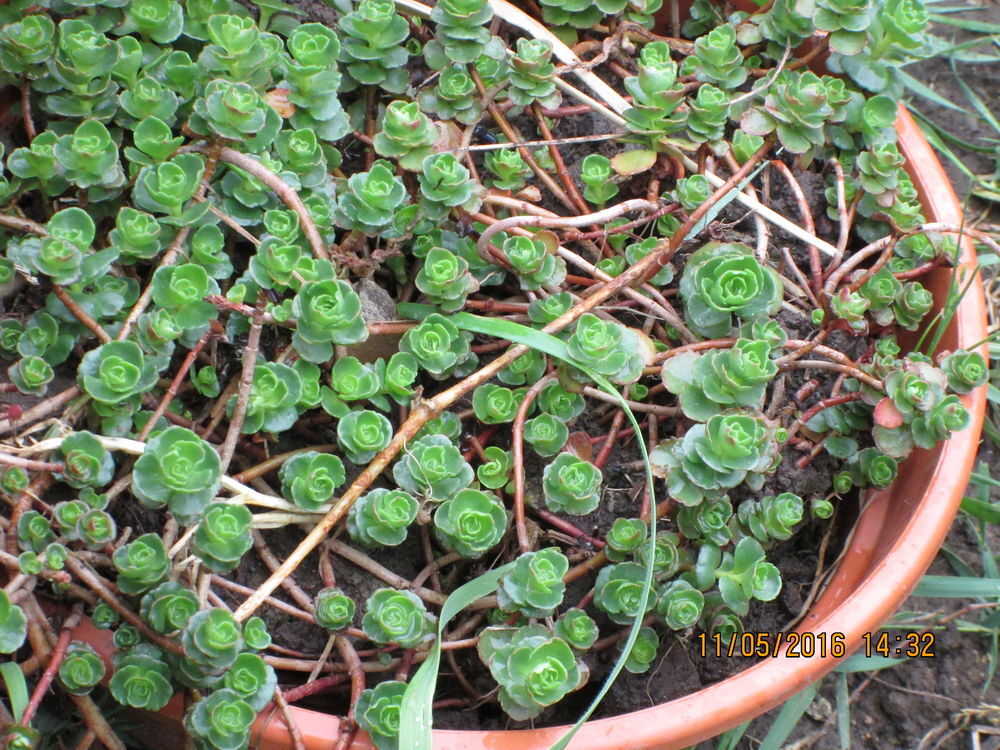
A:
453	97
310	479
572	485
495	471
461	35
534	586
533	667
926	412
381	517
223	536
799	107
722	280
532	74
334	610
770	519
445	279
178	470
398	617
534	260
437	346
720	379
407	134
372	45
432	467
656	114
610	349
546	434
577	628
643	652
596	174
81	669
730	448
377	712
470	522
742	574
619	592
509	168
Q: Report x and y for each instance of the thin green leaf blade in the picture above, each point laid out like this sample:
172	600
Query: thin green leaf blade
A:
17	688
788	717
415	722
861	663
956	587
843	712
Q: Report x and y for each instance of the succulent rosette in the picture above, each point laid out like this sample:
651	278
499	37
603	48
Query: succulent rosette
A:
721	280
179	470
470	522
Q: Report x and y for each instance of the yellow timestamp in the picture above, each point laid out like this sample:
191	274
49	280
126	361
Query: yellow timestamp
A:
912	645
763	645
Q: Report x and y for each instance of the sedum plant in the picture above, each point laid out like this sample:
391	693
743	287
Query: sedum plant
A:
722	280
534	586
534	668
470	522
210	228
397	617
381	517
334	609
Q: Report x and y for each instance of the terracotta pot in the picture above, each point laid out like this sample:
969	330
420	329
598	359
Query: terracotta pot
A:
895	540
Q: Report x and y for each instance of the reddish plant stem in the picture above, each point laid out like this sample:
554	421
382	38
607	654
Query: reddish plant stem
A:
517	447
698	346
29	464
29	123
609	443
55	660
568	528
561	171
920	270
39	410
815	266
815	409
312	688
80	314
295	734
268	558
354	669
246	384
214	330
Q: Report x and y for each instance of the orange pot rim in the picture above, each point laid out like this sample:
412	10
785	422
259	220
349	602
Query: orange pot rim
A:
895	539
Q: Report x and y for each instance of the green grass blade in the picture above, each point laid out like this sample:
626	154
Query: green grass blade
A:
976	102
957	587
17	688
416	720
984	511
730	740
968	24
922	89
862	663
788	717
843	712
